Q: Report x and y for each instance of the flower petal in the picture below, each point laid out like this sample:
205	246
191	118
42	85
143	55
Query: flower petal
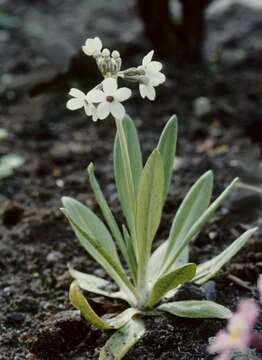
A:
157	78
117	110
148	58
75	104
88	109
123	94
109	86
95	96
103	110
77	93
155	66
94	114
142	89
150	92
221	343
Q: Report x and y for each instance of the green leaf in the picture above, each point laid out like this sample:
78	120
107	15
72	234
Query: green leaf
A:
149	208
107	213
209	269
79	301
170	281
131	254
192	207
121	341
101	255
201	221
95	284
167	147
196	309
91	225
120	163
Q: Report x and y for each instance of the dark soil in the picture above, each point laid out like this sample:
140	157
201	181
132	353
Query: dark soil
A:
39	60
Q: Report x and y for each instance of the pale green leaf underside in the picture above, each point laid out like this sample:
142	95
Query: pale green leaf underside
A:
91	225
196	309
95	284
99	253
149	206
108	215
192	207
167	148
136	165
79	301
204	218
121	341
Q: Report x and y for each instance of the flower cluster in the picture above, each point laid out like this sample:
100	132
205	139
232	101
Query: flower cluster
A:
106	98
239	334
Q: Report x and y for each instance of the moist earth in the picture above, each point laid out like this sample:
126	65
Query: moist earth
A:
40	62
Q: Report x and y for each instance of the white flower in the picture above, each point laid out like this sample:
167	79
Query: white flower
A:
152	76
110	99
79	101
92	47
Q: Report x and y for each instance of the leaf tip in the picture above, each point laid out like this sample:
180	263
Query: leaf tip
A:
90	168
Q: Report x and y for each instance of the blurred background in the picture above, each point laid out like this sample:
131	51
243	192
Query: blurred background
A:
212	57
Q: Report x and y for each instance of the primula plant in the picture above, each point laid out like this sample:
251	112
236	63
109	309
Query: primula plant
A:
146	280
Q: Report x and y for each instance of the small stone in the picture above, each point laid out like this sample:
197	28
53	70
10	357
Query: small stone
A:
189	292
15	317
100	272
209	289
202	106
54	257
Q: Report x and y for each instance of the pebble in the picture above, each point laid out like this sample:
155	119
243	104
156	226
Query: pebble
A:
202	106
209	288
15	317
54	257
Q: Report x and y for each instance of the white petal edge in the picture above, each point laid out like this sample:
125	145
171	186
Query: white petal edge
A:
109	86
117	110
123	94
142	89
155	66
74	104
147	59
95	96
77	93
103	110
150	92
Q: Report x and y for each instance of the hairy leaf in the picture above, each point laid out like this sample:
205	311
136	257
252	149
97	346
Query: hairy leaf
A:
95	284
196	309
171	281
79	301
204	218
121	341
107	213
192	207
102	256
125	193
91	225
167	148
149	208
